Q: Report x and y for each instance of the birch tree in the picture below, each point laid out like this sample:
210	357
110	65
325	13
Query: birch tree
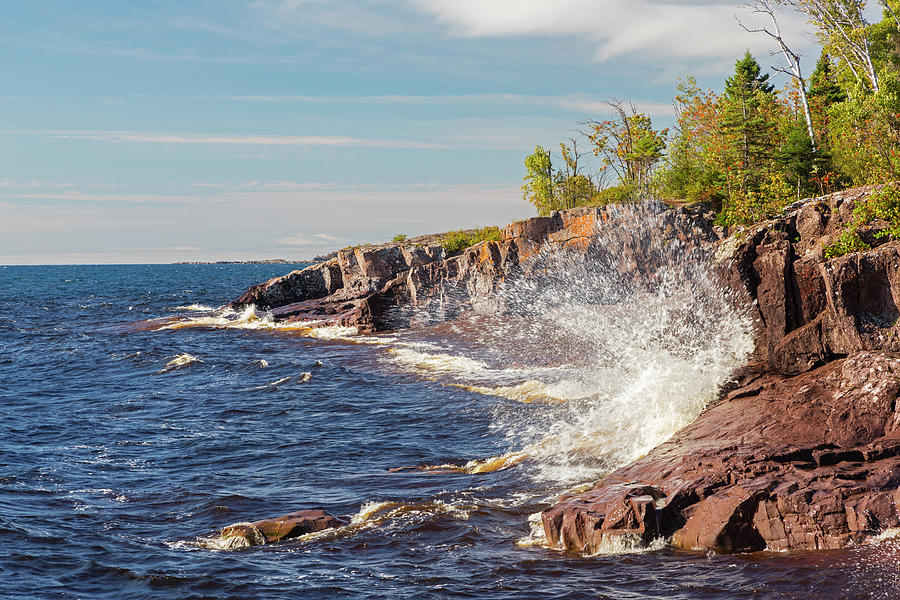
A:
767	8
841	28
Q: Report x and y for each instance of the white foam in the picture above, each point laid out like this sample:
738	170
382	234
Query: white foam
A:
179	361
641	331
195	308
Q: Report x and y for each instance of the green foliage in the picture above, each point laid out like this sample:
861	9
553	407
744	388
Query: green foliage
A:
400	237
617	194
823	82
848	241
749	151
751	205
747	79
864	133
747	116
628	145
456	241
539	187
883	205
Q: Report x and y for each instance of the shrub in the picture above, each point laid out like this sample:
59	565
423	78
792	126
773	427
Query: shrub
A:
457	241
618	194
758	203
400	237
884	205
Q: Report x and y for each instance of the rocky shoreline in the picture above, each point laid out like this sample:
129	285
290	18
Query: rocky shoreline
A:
802	451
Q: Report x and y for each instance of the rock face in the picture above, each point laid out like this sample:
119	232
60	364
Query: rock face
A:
392	286
268	531
804	451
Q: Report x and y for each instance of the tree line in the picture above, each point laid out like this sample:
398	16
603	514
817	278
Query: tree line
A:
750	149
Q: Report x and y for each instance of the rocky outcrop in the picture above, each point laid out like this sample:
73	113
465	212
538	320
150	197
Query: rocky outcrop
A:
804	451
804	462
392	286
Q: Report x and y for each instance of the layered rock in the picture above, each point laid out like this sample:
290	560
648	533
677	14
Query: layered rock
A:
804	462
805	452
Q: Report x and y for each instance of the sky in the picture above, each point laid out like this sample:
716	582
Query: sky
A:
151	131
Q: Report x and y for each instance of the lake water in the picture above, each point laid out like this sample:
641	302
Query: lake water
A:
137	421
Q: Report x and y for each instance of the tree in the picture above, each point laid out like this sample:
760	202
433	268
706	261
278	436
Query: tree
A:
693	168
539	185
747	95
823	84
767	7
842	30
628	145
572	187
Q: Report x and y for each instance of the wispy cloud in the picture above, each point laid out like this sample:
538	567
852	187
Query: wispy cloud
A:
153	137
306	240
662	29
572	102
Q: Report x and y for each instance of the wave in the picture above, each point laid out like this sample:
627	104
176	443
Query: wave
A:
606	352
179	361
249	318
369	516
195	308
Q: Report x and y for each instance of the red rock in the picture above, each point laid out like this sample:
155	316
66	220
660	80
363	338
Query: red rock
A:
784	463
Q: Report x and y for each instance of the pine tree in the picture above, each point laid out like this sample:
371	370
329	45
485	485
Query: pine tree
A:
747	95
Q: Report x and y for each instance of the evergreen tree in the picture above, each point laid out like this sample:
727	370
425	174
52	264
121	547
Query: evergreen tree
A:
747	96
823	83
747	78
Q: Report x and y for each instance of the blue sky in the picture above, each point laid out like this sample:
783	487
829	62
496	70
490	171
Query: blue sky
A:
219	130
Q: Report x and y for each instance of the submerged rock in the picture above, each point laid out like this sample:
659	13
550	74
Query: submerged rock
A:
267	531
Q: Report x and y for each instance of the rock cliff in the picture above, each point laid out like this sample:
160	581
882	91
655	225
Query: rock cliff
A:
804	451
391	286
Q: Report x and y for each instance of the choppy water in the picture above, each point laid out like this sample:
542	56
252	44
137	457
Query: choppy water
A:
137	422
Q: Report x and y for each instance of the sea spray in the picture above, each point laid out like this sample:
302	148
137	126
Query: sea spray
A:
616	345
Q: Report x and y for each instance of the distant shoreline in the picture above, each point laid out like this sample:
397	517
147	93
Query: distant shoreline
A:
268	261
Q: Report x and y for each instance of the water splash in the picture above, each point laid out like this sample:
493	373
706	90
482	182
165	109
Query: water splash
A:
369	516
249	318
630	339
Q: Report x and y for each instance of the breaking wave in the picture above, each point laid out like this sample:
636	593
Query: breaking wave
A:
249	318
180	361
370	515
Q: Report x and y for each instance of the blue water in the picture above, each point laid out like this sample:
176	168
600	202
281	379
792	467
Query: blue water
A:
112	467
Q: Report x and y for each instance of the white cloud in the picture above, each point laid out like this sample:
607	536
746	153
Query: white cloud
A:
655	29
